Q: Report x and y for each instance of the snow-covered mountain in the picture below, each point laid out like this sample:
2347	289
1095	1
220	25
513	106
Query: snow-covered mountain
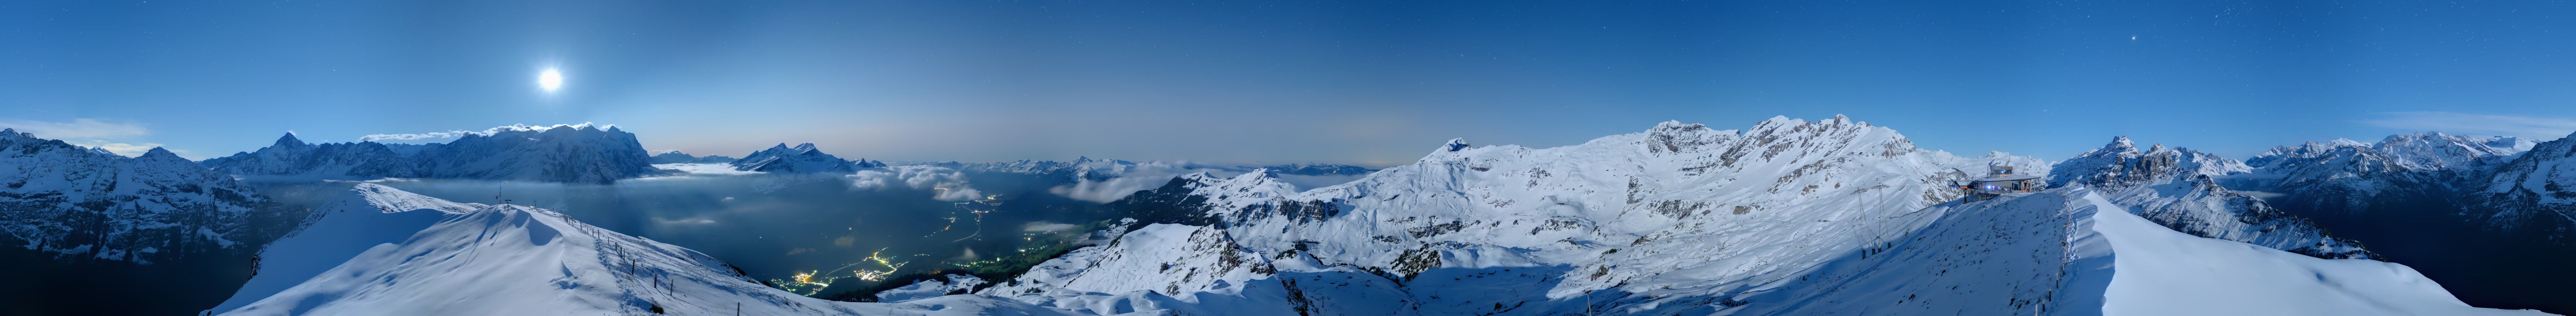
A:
2121	164
2349	176
2534	191
2178	188
675	156
83	202
801	159
563	153
581	153
1789	217
381	251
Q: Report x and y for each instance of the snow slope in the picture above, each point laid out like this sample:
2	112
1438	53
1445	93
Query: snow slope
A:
355	222
516	260
2162	272
75	201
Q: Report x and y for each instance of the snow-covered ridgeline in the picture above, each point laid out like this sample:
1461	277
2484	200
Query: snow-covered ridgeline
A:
474	259
562	153
2178	188
74	201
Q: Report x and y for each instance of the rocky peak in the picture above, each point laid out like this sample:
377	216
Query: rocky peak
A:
1676	137
1454	144
289	141
2120	164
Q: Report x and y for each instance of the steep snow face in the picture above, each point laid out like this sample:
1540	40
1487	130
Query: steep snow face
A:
2535	191
1678	211
675	156
563	153
2178	188
290	157
517	260
74	201
801	159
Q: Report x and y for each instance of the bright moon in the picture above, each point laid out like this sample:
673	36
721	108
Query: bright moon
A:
550	80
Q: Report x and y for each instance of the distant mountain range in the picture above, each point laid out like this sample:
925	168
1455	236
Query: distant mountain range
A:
675	156
562	153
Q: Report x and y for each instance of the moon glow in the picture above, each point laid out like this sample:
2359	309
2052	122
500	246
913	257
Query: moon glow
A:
550	80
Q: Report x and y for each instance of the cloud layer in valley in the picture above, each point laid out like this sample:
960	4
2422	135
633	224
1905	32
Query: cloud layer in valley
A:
1129	179
950	183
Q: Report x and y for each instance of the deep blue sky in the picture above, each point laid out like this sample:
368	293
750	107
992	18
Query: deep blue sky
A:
1271	81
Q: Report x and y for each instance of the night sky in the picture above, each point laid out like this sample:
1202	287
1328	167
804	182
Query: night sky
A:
1373	83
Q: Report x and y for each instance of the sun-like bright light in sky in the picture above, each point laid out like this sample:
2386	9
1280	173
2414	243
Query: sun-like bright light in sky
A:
550	80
